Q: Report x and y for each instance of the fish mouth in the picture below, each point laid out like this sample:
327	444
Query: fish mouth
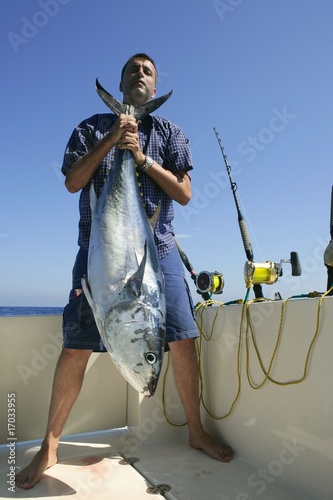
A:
150	389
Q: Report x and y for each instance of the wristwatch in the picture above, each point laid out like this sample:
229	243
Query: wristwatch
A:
148	163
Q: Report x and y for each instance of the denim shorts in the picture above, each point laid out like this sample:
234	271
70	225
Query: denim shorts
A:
79	327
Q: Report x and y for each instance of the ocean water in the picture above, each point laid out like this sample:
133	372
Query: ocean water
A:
29	311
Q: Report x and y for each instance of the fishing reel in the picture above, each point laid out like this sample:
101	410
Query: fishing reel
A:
207	282
256	273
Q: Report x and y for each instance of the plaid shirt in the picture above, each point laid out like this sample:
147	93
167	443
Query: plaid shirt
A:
159	138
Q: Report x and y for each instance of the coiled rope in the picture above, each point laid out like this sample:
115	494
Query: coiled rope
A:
249	334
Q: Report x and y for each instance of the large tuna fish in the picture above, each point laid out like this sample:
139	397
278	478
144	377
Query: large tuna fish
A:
124	286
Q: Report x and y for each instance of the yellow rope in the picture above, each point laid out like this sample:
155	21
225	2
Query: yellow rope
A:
245	313
163	395
249	326
267	373
202	335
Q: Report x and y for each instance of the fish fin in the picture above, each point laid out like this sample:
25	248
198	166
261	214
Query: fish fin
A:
150	106
135	281
86	291
92	198
136	111
112	103
154	218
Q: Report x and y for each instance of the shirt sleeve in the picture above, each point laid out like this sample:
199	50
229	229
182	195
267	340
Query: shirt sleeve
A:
80	142
178	155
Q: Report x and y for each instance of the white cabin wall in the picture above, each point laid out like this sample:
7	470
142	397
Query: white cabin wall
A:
30	347
286	431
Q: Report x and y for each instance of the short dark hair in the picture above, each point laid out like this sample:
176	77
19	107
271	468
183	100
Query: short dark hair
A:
143	57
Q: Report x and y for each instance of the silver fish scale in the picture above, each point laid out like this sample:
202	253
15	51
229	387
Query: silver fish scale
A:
125	286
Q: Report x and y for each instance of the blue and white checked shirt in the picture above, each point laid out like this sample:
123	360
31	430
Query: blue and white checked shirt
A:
159	138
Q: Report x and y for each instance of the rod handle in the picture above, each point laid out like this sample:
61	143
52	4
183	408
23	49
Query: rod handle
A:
296	269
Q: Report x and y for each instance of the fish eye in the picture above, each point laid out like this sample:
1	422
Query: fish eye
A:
151	358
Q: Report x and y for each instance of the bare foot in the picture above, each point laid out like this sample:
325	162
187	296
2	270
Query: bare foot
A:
204	442
30	475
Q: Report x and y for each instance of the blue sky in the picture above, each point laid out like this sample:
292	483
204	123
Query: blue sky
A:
260	71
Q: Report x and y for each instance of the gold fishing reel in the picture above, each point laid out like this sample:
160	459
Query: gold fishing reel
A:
258	273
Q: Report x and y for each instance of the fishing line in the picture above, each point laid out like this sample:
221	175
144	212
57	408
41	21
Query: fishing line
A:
204	138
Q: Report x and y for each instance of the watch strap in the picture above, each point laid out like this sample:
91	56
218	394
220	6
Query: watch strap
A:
147	164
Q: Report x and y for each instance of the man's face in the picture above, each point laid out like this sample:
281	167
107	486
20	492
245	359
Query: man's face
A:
138	82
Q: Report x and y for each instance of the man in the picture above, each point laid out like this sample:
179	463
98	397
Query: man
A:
89	155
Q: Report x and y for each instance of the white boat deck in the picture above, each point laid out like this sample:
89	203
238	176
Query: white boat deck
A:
281	429
101	466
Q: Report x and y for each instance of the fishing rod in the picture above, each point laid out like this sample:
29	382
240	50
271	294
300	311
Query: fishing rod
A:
328	254
256	273
241	221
